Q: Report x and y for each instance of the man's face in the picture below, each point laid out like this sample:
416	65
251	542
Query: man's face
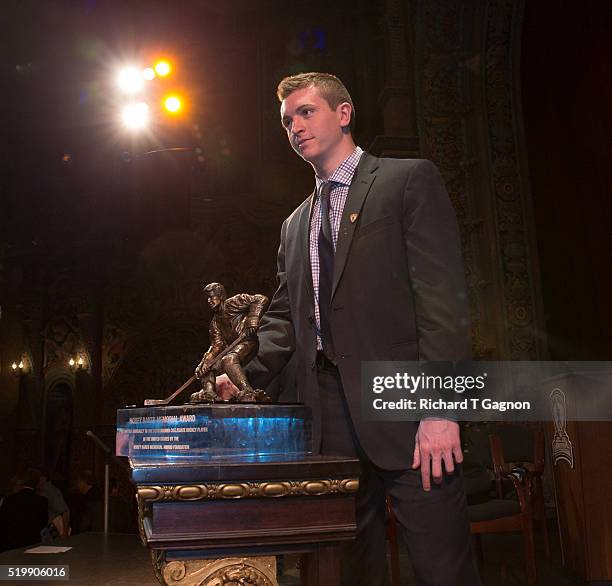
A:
213	301
313	128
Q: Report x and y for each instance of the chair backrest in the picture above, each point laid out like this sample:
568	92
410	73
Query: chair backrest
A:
476	451
491	446
477	464
517	441
520	443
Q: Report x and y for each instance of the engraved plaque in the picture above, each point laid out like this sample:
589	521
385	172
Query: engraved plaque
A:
213	432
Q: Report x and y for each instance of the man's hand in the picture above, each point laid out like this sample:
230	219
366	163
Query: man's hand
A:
226	389
436	440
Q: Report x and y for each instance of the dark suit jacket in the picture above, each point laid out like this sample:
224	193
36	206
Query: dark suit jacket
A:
22	517
399	293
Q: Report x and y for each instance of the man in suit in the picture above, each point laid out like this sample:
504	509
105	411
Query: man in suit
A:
23	515
370	269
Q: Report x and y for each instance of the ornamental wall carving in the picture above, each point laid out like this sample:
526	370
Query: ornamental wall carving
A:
470	125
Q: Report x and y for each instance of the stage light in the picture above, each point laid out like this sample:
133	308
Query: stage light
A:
162	68
136	115
130	80
173	104
148	73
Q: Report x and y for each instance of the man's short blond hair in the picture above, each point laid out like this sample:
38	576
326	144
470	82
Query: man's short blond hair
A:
332	90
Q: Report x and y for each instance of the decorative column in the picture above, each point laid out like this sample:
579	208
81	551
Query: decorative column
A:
399	138
470	126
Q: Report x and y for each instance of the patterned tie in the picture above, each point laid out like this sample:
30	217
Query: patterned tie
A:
326	271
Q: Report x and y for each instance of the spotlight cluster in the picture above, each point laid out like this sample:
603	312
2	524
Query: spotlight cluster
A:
144	96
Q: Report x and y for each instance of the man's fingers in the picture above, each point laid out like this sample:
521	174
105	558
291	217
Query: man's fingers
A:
225	384
416	456
449	464
436	468
426	472
226	389
458	453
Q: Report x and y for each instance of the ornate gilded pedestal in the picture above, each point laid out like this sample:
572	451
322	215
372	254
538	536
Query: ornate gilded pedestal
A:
246	570
221	515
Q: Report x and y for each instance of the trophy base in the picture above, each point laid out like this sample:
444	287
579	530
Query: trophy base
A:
213	432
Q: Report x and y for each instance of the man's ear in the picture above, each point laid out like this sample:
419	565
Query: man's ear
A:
345	112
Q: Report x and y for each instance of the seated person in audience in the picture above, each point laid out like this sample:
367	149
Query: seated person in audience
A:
13	486
59	514
23	515
84	502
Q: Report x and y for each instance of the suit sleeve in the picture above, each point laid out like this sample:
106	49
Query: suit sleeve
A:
437	275
276	334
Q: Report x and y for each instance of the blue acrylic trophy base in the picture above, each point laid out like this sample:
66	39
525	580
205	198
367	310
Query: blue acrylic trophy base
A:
217	432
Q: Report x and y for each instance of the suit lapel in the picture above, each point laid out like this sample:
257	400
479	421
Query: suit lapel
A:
304	228
360	187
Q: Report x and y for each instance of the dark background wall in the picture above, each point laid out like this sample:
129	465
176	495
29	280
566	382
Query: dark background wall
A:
567	92
104	245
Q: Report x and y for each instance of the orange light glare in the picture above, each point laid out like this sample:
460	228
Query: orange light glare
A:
149	74
162	68
172	104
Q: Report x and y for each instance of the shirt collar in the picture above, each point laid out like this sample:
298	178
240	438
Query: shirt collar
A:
343	175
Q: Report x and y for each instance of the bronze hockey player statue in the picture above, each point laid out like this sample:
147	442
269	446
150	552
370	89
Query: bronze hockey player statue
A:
233	343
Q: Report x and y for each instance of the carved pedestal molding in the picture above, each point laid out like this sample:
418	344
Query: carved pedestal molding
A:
237	490
232	571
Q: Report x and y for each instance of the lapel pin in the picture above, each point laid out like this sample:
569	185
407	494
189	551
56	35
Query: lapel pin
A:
353	218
